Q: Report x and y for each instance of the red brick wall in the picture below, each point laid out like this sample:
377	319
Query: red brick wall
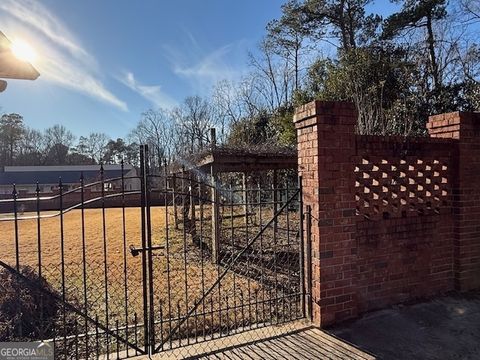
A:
394	219
405	218
403	259
465	129
326	142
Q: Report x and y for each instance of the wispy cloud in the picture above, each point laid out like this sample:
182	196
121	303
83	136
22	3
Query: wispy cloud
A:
153	93
62	59
204	69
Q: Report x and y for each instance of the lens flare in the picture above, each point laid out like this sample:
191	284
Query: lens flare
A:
23	51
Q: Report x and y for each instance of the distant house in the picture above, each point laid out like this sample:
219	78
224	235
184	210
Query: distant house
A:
26	177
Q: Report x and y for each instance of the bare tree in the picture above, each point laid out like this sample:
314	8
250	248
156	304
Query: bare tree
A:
155	129
58	141
272	78
32	148
227	105
193	119
471	9
93	146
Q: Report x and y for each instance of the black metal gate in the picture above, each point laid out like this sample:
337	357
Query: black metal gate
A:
140	264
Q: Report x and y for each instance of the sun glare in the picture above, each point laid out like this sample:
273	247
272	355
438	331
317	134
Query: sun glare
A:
23	51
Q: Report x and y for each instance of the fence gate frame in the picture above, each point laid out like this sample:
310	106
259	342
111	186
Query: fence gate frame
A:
152	346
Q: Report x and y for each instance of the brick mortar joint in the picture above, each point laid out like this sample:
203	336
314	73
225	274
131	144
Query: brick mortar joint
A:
300	123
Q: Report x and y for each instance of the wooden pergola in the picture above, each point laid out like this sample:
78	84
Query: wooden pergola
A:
216	160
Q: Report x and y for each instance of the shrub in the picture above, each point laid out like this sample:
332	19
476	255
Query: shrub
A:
26	311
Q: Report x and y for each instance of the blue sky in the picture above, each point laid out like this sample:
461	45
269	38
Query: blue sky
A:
104	62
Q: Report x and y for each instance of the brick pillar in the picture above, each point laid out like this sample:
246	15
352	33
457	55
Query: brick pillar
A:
326	146
465	127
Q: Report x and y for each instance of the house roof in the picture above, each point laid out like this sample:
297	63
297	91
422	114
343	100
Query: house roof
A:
27	175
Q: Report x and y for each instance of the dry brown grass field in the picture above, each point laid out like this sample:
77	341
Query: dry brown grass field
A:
185	276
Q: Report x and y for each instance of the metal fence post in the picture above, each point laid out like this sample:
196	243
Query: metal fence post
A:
148	224
308	262
144	245
215	217
301	250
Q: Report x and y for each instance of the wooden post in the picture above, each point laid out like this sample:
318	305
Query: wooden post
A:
174	193
275	199
213	138
215	217
185	200
192	204
245	199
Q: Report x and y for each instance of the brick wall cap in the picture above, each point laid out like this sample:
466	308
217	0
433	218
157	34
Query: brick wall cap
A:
317	107
451	118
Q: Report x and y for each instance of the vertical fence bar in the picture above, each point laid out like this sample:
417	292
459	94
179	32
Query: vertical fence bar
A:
212	329
97	339
167	250
18	327
275	199
62	256
125	277
39	250
275	230
262	255
242	308
75	329
185	208
84	260
105	260
247	234
15	215
144	245
244	196
174	201
117	332
179	317
54	337
161	321
151	306
219	259
308	261
215	217
232	239
285	291
39	236
228	316
202	261
135	331
193	212
301	251
195	316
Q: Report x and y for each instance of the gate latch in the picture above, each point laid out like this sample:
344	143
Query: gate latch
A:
136	251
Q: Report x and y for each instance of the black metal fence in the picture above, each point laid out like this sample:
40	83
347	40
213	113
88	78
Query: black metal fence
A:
207	262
